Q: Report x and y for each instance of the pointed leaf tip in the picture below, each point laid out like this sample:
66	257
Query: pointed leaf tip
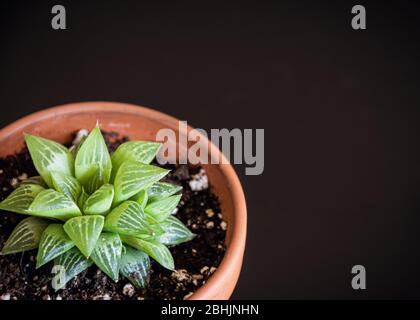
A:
54	242
48	156
107	254
25	236
84	231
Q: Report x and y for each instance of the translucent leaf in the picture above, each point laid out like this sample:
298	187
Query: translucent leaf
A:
49	156
54	242
25	236
140	151
82	198
94	179
67	185
34	180
100	201
156	250
162	209
161	190
128	218
175	232
53	204
73	263
85	232
107	254
21	198
93	162
135	266
141	198
132	177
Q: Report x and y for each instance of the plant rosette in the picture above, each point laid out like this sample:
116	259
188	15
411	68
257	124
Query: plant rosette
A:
89	207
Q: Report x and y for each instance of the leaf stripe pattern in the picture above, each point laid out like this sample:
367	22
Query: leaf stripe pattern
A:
73	263
107	254
128	218
132	177
85	232
141	198
93	162
54	242
162	209
156	250
20	199
161	190
100	201
25	236
48	156
135	266
67	185
175	232
139	151
52	204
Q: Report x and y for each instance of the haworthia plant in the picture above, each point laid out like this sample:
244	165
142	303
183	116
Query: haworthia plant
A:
89	207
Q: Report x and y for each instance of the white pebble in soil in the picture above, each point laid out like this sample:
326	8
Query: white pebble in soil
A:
210	225
23	177
129	290
204	269
188	295
181	275
199	181
223	225
79	136
14	182
210	213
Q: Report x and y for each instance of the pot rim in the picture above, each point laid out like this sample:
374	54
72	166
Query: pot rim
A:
235	250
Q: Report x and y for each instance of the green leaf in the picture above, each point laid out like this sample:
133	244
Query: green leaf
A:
139	151
107	254
128	218
141	198
162	209
135	266
53	204
34	180
94	179
156	250
25	236
85	232
100	201
175	232
93	162
49	156
132	177
21	198
82	198
67	185
73	263
54	242
161	190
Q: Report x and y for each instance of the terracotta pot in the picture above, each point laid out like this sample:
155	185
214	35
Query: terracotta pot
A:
141	123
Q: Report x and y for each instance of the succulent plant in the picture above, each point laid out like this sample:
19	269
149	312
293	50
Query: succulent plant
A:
88	207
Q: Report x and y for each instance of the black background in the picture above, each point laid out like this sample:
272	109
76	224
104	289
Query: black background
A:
339	107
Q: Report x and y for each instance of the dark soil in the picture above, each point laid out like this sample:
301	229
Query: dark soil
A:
195	261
